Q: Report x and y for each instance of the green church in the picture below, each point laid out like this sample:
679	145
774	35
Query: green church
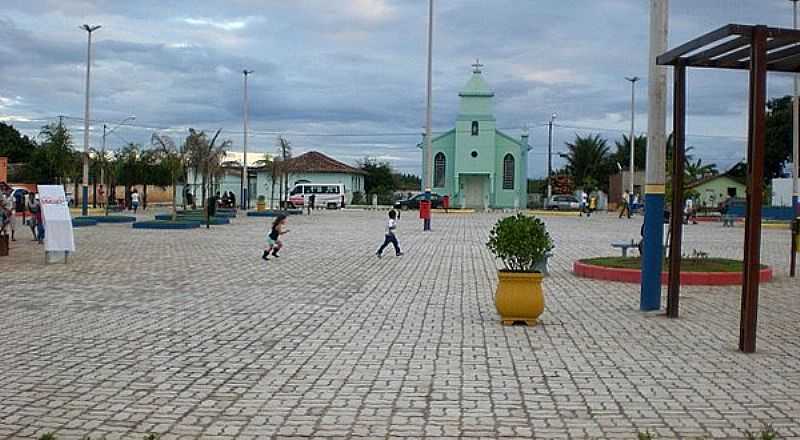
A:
476	164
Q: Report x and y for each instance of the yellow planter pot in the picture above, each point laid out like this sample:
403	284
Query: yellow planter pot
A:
261	206
519	297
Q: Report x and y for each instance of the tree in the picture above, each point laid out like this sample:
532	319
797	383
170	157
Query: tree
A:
285	153
588	161
54	159
698	170
623	153
778	148
404	181
15	146
379	179
172	159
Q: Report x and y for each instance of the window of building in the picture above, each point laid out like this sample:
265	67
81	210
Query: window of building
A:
475	128
508	172
439	169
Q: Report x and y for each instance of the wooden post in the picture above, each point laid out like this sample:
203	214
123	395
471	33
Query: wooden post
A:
676	218
755	182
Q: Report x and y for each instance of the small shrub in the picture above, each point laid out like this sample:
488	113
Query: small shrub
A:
766	433
520	242
358	198
48	436
645	435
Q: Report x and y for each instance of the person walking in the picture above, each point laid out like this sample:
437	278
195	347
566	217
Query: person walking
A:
312	199
135	200
592	205
625	205
389	235
274	243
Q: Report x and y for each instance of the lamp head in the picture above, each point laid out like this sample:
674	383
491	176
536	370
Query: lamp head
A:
90	29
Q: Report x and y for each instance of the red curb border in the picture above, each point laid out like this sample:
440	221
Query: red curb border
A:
687	278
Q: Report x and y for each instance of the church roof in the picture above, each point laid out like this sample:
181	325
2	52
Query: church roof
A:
477	86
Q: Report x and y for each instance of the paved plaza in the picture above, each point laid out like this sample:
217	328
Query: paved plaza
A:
190	334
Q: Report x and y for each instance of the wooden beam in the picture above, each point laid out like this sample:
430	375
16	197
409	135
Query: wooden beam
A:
790	50
722	49
671	56
676	218
744	54
787	63
755	182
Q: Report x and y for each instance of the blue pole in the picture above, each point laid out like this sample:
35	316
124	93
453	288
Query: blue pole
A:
652	248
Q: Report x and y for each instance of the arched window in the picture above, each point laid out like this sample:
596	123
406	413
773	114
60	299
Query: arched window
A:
439	168
508	172
475	129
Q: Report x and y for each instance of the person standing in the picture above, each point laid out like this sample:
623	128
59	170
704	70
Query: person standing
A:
389	235
592	204
135	200
689	212
36	224
625	205
8	219
584	203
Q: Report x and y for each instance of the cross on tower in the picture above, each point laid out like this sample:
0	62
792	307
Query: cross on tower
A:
476	68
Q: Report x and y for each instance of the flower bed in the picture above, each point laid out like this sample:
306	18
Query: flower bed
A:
694	272
166	224
81	222
112	218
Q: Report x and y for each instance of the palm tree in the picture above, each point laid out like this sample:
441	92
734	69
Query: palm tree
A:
173	159
698	170
623	154
285	151
588	160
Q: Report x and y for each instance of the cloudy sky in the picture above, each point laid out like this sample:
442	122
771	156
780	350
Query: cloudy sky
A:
347	77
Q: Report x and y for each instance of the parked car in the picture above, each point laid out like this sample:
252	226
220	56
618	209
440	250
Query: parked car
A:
437	201
563	203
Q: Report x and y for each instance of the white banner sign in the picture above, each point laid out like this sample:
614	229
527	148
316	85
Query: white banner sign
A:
57	220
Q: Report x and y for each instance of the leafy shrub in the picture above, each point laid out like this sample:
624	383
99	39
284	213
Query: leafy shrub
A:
767	433
262	199
520	242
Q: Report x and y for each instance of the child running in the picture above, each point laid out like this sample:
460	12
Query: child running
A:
274	243
391	225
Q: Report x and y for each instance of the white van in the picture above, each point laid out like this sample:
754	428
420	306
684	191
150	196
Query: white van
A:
329	195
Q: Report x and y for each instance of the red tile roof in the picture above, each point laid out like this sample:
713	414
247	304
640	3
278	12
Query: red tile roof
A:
316	162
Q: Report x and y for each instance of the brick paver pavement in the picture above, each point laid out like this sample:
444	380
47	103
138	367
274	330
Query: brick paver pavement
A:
192	335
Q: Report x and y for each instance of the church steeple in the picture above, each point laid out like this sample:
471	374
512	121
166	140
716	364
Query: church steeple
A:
476	96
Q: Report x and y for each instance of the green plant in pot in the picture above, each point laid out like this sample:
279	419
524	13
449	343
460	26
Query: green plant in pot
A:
521	243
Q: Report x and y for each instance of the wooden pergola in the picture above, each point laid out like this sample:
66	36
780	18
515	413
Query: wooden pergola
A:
758	49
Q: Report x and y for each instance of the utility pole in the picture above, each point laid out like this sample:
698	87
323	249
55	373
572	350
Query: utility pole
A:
796	132
633	132
655	184
245	183
427	163
550	159
107	132
85	192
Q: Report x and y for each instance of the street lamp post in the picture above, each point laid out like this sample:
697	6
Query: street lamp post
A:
796	132
428	161
632	139
244	187
550	158
85	192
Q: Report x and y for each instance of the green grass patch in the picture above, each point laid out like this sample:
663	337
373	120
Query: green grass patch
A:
687	264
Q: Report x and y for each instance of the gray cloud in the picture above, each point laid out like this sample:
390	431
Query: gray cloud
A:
358	67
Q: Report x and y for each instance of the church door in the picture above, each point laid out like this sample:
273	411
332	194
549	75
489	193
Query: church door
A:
474	187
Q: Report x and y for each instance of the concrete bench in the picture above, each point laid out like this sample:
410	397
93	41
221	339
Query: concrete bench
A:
624	246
